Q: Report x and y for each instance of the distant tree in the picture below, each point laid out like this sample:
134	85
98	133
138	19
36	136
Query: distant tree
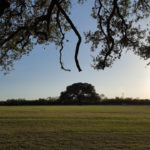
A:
79	93
25	23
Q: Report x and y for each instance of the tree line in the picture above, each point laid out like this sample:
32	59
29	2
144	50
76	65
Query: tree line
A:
78	94
53	101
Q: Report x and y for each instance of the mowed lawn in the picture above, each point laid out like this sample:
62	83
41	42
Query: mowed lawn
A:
75	128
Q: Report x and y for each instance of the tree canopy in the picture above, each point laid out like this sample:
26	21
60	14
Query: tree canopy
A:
25	23
79	93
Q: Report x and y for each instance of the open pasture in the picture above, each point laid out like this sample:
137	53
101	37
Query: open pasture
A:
74	127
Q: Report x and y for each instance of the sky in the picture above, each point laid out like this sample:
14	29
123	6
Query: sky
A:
39	75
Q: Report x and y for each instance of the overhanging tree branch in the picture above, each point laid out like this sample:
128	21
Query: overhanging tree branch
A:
27	23
76	32
61	42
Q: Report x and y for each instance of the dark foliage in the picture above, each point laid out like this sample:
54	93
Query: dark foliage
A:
25	23
125	101
53	101
40	101
79	93
119	28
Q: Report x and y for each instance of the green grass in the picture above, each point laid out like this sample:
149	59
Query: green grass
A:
75	128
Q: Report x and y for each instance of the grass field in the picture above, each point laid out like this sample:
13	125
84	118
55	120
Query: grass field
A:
75	128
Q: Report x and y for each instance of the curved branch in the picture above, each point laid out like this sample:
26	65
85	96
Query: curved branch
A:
49	12
110	38
100	17
61	42
76	32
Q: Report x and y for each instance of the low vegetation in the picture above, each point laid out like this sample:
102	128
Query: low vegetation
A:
75	128
56	101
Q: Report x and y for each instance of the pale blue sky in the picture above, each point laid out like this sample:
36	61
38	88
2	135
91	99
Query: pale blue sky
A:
39	75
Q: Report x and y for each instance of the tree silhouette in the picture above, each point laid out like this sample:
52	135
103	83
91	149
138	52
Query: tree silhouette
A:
25	23
119	28
79	93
